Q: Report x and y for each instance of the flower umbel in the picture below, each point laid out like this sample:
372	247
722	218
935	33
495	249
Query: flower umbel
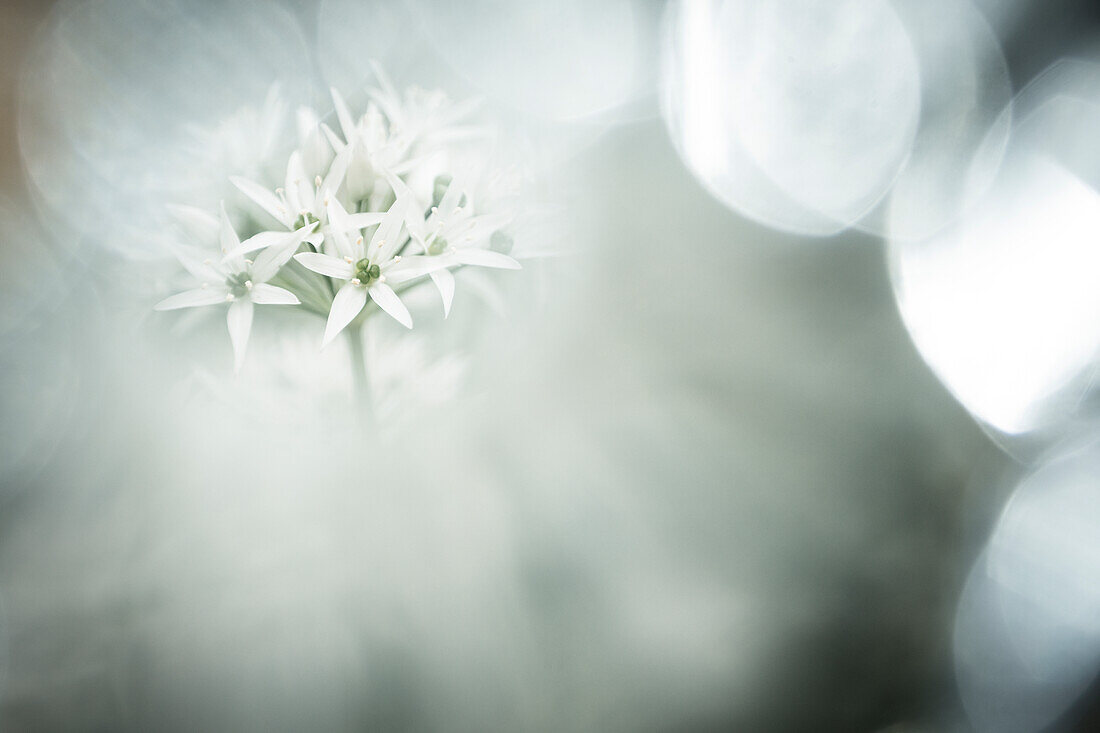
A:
343	227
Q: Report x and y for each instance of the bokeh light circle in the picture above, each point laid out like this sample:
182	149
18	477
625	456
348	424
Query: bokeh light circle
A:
1027	634
770	129
127	106
1002	304
811	116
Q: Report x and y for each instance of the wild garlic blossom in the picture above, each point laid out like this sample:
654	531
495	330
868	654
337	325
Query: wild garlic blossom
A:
448	234
368	270
237	281
343	228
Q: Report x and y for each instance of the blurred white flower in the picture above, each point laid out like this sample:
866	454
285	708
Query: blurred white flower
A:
423	116
450	234
245	143
237	281
372	151
354	231
317	153
301	202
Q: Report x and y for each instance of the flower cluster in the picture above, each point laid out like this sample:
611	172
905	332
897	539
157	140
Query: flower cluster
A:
346	228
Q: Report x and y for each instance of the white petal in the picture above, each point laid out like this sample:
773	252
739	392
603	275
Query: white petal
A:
347	124
230	244
360	175
445	281
270	261
486	258
335	176
390	106
388	301
451	198
299	190
337	215
384	80
308	122
268	201
317	154
333	139
263	240
412	267
347	304
340	245
274	257
472	231
239	320
199	224
326	265
227	236
364	219
385	238
413	216
400	188
198	263
264	294
192	298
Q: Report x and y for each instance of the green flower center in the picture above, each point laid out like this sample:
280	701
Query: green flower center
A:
437	247
365	272
305	220
239	284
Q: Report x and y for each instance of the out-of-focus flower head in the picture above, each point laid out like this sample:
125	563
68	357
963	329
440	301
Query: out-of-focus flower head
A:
353	232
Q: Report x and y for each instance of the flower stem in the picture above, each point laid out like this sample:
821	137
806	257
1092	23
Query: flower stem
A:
359	372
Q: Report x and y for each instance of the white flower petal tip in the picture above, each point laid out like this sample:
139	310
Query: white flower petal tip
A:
388	301
192	299
347	304
347	123
263	240
445	282
264	294
263	198
326	265
239	320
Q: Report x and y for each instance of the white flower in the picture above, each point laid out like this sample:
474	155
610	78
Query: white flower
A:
373	152
235	280
335	189
452	236
317	153
368	270
300	204
423	116
245	143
